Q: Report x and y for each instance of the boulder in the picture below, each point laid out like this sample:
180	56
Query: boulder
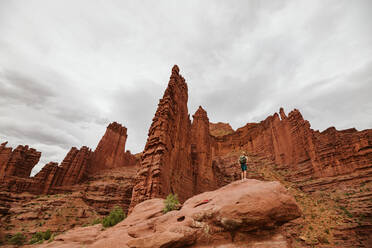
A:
244	213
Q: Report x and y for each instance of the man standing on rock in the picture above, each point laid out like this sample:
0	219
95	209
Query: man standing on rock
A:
243	165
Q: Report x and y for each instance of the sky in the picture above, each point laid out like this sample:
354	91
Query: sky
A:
69	68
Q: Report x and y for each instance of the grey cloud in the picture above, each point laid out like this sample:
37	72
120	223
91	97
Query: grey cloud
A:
344	100
135	109
17	88
237	97
34	133
76	113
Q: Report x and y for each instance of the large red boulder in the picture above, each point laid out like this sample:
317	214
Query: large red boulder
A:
233	215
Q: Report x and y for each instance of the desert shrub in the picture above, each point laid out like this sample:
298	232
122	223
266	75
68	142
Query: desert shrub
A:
171	203
39	237
17	239
115	216
47	234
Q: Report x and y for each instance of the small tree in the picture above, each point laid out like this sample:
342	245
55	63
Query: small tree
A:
171	203
115	216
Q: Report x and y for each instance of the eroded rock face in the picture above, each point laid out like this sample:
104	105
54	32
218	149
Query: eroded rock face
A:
71	171
108	189
220	129
110	152
230	216
291	142
18	162
16	166
166	163
336	163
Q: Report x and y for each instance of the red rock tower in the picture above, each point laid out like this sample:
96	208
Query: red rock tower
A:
166	162
201	153
110	152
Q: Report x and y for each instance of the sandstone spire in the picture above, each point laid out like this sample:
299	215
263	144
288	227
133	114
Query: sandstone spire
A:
166	163
110	151
201	153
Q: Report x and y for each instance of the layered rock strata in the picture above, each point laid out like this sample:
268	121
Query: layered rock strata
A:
290	142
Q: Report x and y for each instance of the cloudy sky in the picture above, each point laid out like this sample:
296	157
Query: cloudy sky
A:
68	68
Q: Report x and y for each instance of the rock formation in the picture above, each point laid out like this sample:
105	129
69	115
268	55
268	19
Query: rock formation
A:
220	129
190	158
241	214
110	152
71	171
291	142
336	163
16	166
18	162
201	153
166	163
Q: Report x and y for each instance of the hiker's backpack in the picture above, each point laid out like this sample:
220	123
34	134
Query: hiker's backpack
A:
242	160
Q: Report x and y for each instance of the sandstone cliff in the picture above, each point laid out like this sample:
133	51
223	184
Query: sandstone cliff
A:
289	141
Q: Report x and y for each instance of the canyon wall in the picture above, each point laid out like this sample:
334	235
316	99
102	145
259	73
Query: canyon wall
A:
289	141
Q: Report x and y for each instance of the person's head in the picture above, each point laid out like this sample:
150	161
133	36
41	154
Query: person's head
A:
244	153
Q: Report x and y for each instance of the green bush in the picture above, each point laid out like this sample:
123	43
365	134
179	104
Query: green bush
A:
47	235
171	203
17	239
39	237
115	216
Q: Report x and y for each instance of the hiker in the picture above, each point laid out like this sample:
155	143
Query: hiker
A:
243	165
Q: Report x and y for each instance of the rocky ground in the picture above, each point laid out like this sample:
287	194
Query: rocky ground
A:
241	214
337	211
